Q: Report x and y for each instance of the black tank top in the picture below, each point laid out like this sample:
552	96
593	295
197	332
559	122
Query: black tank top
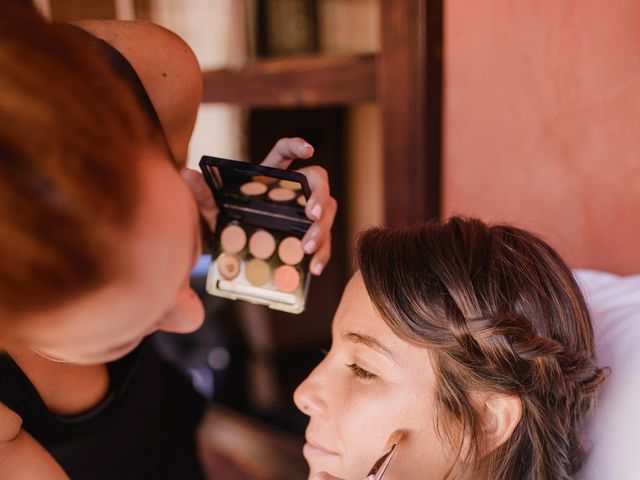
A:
145	426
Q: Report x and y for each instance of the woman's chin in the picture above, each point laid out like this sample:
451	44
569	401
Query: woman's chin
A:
316	467
315	471
333	469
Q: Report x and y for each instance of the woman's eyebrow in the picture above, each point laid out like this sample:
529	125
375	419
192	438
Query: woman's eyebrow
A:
371	342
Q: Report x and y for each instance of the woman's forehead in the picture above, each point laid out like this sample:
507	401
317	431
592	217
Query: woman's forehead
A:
356	311
357	315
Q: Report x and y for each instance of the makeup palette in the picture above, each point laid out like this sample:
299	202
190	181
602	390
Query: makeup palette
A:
258	255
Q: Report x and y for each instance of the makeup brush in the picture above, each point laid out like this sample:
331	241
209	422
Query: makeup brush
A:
378	469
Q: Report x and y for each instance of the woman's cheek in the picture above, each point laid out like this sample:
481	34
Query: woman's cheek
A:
367	420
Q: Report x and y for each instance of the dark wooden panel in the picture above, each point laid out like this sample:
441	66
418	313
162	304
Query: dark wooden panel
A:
410	85
295	82
71	10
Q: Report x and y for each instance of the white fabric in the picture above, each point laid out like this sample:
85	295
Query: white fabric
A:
611	436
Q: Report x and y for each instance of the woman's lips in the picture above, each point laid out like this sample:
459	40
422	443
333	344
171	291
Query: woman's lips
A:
314	448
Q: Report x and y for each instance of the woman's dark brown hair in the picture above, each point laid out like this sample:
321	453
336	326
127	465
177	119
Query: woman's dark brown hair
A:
500	312
71	134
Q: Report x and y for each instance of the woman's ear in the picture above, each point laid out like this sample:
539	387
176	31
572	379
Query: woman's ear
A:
501	415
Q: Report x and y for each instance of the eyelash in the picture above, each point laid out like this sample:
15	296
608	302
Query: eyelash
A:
361	372
357	370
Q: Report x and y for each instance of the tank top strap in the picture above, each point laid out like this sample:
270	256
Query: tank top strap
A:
23	398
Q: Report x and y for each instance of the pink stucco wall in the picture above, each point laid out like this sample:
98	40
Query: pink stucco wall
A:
542	122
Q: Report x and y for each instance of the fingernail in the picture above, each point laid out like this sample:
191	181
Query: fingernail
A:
306	150
310	246
317	269
316	211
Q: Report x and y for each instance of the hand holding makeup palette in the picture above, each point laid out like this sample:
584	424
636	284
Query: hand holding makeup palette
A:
259	256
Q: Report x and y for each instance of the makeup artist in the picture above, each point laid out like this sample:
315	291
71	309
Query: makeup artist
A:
98	234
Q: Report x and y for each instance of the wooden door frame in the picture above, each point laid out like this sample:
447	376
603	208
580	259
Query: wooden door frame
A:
409	80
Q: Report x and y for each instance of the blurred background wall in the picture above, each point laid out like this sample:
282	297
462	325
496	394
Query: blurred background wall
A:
528	80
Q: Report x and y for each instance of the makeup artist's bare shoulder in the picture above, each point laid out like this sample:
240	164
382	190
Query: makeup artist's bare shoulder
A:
167	68
22	457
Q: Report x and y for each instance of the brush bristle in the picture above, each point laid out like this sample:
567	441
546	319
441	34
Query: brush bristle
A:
395	438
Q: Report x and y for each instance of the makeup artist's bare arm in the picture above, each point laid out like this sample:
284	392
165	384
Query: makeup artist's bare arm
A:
168	70
22	457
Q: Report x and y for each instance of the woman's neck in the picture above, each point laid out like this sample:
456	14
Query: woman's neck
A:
65	388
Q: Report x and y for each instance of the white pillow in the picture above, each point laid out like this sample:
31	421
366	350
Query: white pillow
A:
611	436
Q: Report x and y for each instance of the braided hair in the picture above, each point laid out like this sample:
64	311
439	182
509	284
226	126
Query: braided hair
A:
500	312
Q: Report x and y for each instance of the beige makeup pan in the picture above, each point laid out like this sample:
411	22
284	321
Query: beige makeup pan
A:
302	201
253	189
264	180
229	266
290	185
290	251
282	194
286	278
262	244
257	272
233	239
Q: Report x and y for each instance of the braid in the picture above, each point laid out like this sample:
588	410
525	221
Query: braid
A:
545	375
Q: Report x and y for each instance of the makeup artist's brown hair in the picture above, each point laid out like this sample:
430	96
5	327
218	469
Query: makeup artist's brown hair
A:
500	312
71	132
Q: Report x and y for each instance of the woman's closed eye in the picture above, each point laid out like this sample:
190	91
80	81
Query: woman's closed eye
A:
361	372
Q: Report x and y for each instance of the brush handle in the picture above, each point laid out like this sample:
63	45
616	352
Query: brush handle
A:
381	465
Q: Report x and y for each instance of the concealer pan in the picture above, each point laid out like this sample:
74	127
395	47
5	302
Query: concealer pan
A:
262	244
233	239
290	251
258	272
281	194
228	265
253	188
289	184
286	278
264	179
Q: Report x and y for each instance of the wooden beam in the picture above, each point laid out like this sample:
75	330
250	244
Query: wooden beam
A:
410	92
295	82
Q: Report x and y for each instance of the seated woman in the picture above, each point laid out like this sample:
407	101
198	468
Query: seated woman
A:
472	340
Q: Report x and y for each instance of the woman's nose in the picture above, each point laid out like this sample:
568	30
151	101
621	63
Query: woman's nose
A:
187	314
308	396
